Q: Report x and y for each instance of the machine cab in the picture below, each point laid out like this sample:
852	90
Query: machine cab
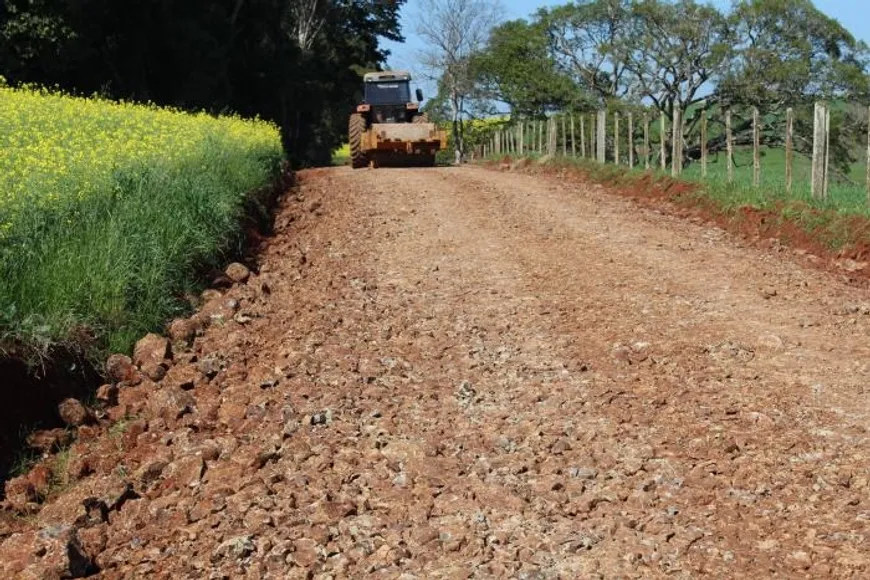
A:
388	97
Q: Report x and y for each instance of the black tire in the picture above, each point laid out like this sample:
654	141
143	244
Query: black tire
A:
355	129
421	118
428	160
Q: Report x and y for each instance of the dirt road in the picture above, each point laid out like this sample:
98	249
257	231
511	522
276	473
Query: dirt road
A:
466	373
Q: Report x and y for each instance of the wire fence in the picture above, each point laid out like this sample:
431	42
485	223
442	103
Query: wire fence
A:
796	149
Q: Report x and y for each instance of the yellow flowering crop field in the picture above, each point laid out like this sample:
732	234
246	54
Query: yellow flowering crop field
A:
108	210
58	146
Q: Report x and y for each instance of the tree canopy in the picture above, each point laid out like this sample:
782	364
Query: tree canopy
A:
296	62
663	55
518	69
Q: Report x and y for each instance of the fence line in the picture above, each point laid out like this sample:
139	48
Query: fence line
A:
559	134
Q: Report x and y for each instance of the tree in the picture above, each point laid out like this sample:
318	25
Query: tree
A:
584	37
686	56
456	31
517	68
295	62
673	51
789	53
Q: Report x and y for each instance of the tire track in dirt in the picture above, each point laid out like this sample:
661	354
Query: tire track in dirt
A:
457	372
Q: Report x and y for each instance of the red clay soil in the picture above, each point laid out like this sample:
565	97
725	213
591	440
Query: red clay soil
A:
457	372
764	227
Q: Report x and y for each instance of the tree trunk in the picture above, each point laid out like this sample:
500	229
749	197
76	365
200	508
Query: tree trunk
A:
458	145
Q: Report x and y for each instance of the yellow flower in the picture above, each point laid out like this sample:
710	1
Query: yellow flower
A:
56	148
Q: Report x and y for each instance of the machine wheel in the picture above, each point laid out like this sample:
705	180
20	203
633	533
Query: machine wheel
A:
421	118
428	160
356	128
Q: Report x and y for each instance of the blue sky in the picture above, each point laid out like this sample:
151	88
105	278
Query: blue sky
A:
853	14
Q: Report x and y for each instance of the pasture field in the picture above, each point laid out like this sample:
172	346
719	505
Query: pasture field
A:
844	197
109	210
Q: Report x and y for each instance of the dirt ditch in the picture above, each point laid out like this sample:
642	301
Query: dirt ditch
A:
30	399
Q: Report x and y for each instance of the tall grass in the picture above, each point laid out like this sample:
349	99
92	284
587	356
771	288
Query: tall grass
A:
109	210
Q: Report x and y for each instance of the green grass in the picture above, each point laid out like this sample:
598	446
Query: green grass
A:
842	197
112	211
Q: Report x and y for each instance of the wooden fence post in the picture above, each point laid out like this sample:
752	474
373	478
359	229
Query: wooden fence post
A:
677	149
818	174
729	145
593	146
868	152
645	141
704	145
662	134
552	137
630	141
601	137
827	149
564	138
789	148
756	148
530	140
616	138
522	129
583	136
573	141
556	133
545	136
